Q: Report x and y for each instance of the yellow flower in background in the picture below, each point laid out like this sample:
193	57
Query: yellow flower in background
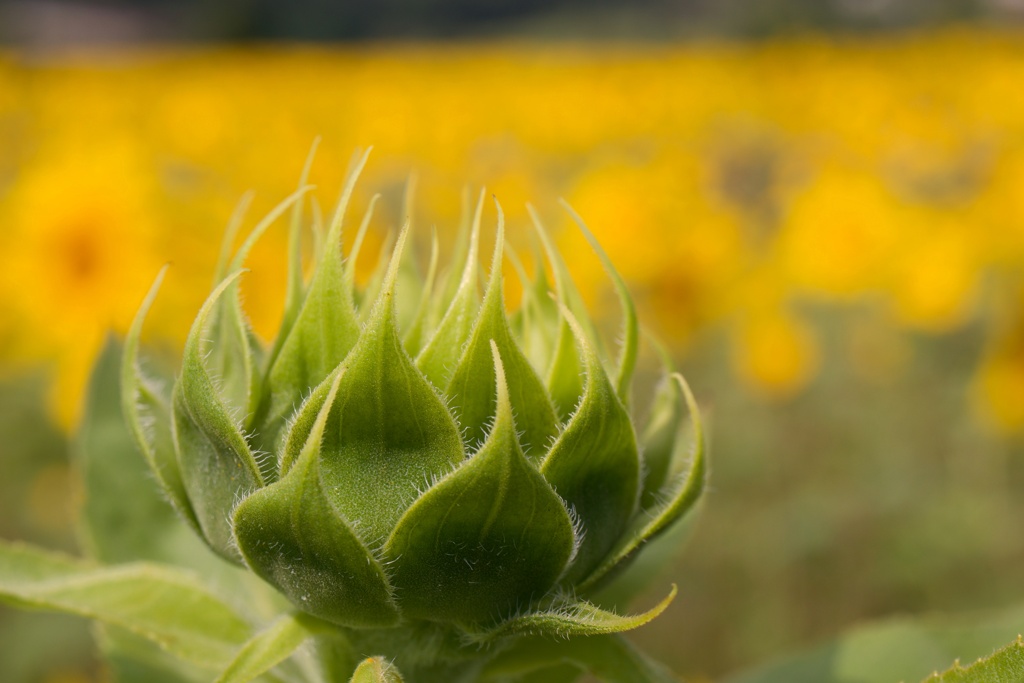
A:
999	393
839	236
776	352
673	244
998	388
936	283
78	243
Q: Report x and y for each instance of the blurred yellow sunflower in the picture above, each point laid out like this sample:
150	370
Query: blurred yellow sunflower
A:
78	249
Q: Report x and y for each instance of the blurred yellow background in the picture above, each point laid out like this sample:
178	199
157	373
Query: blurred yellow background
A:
730	181
836	224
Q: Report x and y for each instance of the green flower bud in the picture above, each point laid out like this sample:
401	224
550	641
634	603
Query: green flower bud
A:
401	459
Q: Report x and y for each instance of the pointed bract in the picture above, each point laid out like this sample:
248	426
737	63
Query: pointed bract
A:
388	433
472	388
439	357
293	537
486	540
681	491
594	464
579	618
218	467
324	331
148	415
630	326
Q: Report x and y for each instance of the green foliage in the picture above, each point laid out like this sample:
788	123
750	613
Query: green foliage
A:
166	605
898	650
1003	666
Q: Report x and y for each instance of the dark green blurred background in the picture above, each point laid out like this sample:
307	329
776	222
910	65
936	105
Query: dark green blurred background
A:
57	23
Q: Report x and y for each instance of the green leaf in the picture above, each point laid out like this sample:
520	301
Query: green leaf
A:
1003	666
123	517
439	357
899	649
147	414
169	607
388	431
565	288
319	237
324	331
485	539
472	386
292	535
594	465
133	659
679	495
217	466
573	619
376	670
565	376
609	658
634	577
630	327
268	648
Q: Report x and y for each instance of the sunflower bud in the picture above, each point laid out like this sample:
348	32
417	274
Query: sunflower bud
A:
419	460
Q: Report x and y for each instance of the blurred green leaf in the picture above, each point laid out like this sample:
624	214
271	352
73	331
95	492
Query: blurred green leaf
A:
124	516
894	650
630	326
167	606
133	659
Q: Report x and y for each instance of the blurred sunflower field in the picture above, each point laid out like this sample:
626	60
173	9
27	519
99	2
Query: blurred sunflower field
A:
827	235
